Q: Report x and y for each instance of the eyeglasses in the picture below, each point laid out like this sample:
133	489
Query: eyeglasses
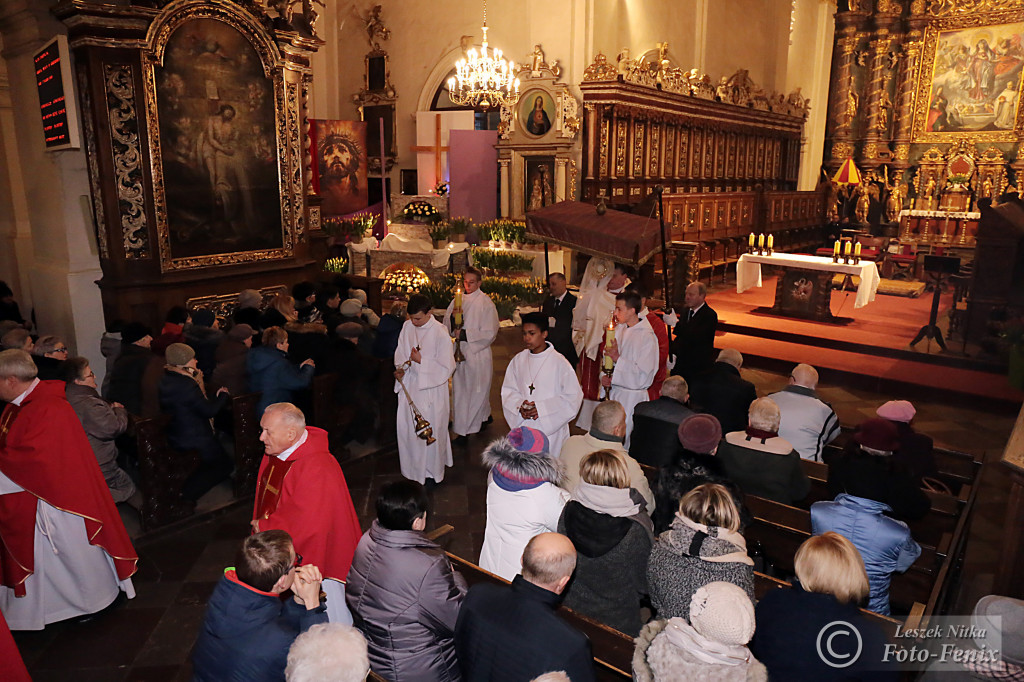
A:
298	560
60	349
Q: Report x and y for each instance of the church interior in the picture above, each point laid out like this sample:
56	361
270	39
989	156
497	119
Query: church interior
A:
842	179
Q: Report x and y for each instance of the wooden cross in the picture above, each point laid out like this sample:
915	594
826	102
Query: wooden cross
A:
531	387
437	149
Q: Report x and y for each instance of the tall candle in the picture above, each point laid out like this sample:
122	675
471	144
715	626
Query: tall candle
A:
771	241
750	242
609	341
835	249
760	240
457	308
856	250
846	248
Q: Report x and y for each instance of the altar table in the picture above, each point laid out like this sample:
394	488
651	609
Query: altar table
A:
804	288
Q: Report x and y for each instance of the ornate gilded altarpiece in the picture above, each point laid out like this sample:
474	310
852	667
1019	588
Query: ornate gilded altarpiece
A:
195	118
536	140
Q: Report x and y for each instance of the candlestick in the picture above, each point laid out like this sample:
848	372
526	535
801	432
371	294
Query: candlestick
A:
750	241
846	248
457	308
609	341
835	252
771	241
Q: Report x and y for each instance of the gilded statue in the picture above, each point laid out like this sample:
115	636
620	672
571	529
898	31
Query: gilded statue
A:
623	61
987	188
375	28
884	110
863	203
894	202
851	104
536	59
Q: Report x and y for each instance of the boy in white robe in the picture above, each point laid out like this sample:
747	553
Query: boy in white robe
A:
471	384
635	354
424	341
540	388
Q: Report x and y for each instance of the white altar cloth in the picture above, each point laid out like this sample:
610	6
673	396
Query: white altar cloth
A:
748	272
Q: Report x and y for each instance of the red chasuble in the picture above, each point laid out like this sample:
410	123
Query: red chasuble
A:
307	496
661	331
43	448
11	665
590	374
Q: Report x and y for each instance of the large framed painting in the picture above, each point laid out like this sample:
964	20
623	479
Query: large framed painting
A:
215	111
539	185
970	79
339	173
536	112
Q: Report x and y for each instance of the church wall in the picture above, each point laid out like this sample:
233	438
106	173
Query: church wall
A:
716	37
57	264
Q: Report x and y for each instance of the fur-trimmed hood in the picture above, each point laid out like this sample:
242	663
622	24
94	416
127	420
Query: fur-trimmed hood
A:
522	466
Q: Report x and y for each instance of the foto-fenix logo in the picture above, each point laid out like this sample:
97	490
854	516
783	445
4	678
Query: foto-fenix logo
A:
839	644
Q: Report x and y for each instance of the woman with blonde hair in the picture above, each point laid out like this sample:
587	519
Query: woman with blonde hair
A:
831	583
703	545
613	537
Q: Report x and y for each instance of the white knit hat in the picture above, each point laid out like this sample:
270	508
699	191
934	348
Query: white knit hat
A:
723	613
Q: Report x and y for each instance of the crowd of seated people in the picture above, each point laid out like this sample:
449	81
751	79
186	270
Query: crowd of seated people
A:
579	527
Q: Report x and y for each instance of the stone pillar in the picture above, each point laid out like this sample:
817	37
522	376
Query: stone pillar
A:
53	235
503	174
560	179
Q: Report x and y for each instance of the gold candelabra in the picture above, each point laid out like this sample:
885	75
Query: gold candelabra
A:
458	320
607	364
420	423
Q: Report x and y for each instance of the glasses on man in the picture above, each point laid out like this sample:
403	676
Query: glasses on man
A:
298	560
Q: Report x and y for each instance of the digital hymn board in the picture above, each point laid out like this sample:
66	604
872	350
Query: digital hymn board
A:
56	95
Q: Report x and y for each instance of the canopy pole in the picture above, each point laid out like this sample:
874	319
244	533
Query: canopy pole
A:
547	263
660	191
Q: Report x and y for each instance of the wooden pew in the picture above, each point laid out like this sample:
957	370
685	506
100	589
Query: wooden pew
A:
955	468
612	650
248	447
781	542
162	471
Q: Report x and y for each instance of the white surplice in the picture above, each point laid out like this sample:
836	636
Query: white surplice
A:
593	311
427	383
635	368
471	384
71	577
556	393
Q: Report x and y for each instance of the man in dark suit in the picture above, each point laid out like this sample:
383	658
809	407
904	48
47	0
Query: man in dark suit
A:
655	439
509	634
558	309
723	393
694	345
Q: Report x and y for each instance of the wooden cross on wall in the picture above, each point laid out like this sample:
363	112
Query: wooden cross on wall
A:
437	149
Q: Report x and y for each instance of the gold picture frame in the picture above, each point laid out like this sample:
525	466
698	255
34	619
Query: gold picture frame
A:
962	86
284	158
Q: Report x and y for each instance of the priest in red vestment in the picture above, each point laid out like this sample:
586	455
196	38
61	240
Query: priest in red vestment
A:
302	490
65	551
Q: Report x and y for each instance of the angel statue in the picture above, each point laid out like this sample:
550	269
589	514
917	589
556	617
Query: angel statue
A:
375	27
863	203
894	202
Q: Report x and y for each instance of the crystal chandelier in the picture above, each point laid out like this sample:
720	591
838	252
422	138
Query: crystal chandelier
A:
484	80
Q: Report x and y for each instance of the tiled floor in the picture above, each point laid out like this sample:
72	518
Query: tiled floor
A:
150	637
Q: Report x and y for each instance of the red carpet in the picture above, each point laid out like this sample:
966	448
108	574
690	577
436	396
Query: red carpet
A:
870	349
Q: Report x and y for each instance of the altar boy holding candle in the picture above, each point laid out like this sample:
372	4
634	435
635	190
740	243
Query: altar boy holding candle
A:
635	354
540	388
471	384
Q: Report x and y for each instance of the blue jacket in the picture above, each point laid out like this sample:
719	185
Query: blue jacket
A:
884	543
246	633
273	375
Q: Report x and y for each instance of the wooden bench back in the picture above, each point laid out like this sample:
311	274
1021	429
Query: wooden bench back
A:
248	447
162	471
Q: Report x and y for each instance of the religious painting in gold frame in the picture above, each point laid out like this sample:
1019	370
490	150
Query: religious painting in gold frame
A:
969	82
217	116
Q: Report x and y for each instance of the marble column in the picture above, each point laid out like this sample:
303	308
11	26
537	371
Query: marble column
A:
560	183
503	174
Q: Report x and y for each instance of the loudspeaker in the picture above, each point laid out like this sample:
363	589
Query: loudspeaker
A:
942	265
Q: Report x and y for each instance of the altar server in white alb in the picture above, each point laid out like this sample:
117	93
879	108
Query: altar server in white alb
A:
540	388
471	385
635	354
428	348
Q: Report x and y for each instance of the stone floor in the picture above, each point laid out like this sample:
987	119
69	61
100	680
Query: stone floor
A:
150	637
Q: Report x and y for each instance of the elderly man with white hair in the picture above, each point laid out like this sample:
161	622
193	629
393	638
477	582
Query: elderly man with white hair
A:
302	490
760	461
808	422
329	652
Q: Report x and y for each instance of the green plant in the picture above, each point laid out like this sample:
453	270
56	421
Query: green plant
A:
440	230
339	265
498	260
439	291
460	225
529	291
358	225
